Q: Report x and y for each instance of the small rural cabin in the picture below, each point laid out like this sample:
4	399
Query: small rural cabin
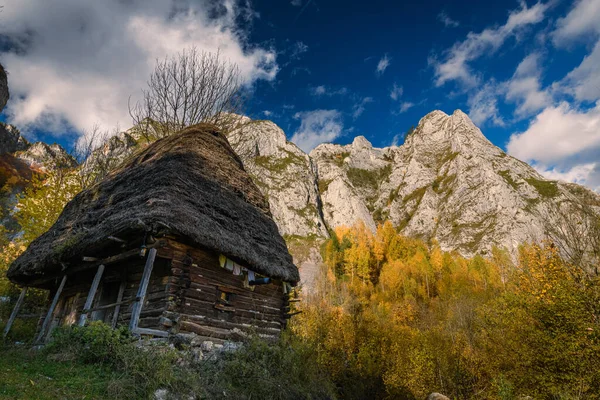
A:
178	239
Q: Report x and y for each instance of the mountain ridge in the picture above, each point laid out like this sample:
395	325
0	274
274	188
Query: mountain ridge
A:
447	182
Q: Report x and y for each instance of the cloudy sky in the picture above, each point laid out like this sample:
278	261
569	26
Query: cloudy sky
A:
528	73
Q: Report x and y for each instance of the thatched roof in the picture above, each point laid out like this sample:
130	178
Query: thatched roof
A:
190	185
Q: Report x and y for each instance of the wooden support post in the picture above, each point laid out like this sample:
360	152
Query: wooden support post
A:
141	294
51	309
15	311
91	295
119	299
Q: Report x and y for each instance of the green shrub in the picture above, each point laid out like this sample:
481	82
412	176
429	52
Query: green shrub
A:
508	178
544	188
261	370
257	370
369	178
143	369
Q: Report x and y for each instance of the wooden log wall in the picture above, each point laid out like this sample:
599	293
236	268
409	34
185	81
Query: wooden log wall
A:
196	286
188	291
74	295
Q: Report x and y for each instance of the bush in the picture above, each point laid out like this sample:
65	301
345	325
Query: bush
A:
257	370
144	369
260	370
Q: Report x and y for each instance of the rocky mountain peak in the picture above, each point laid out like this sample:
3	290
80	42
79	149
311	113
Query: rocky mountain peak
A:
11	139
446	182
438	133
42	156
361	143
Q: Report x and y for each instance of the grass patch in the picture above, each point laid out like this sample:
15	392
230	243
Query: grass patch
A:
544	188
277	164
97	362
508	178
531	204
28	374
324	184
447	157
369	178
286	370
380	215
338	159
416	195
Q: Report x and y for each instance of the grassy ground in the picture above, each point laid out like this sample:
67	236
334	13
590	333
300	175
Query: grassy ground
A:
97	362
26	374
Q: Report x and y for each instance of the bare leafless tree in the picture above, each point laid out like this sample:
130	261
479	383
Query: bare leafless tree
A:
98	152
186	89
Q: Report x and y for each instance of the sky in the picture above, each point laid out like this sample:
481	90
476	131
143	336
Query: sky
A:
527	73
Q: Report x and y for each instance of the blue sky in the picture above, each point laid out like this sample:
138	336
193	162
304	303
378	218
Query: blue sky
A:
528	73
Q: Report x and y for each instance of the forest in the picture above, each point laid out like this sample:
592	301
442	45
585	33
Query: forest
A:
396	317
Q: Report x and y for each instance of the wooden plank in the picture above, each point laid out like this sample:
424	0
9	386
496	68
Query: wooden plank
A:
15	311
153	332
202	330
116	239
218	323
141	294
91	295
51	309
119	299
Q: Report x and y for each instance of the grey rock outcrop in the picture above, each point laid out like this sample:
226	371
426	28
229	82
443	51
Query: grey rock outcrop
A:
42	156
446	182
437	396
11	139
285	175
4	93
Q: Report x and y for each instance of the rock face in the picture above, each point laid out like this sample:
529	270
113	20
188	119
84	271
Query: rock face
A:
4	94
285	175
437	396
446	182
42	156
11	139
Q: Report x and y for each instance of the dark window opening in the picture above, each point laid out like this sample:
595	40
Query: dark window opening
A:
224	300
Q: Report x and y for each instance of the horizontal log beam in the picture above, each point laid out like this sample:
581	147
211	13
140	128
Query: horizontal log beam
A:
153	332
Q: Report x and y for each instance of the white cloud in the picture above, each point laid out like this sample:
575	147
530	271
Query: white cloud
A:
559	136
267	113
359	107
296	3
447	21
524	87
584	81
323	90
407	105
316	127
76	63
396	139
582	22
583	18
456	67
383	64
298	49
318	90
483	105
396	92
578	174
